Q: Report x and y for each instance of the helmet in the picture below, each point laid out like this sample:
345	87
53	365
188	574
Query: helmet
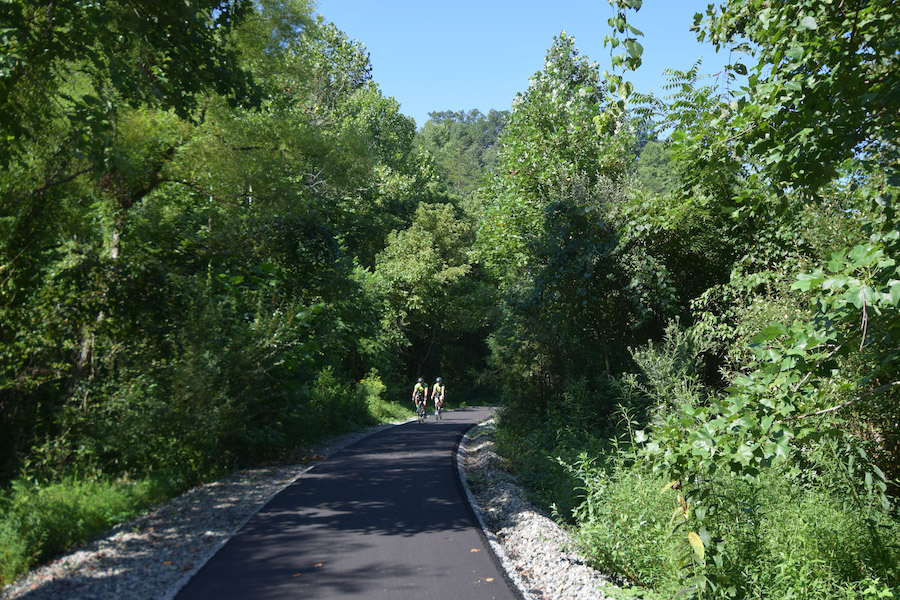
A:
421	380
438	380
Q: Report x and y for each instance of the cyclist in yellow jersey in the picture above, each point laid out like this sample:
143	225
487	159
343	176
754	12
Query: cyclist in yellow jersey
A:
420	392
437	393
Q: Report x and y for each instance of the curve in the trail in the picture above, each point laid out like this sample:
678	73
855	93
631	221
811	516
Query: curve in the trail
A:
383	518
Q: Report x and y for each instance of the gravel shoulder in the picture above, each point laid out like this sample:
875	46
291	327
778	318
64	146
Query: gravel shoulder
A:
154	555
537	553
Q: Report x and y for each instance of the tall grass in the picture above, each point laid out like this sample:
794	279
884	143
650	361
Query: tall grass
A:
38	521
774	538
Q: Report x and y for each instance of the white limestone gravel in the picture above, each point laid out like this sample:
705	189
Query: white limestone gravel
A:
154	555
535	551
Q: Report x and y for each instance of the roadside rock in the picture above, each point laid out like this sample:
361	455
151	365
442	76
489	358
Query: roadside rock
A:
536	552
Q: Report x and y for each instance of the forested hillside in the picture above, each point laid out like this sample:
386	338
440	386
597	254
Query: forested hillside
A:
220	242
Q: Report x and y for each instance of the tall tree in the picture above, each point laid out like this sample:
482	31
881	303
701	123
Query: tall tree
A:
544	231
823	88
654	170
134	52
149	287
803	156
438	300
463	145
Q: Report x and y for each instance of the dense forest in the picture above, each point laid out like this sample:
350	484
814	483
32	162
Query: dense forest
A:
220	242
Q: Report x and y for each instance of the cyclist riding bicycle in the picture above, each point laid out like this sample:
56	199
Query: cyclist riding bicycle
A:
420	393
437	393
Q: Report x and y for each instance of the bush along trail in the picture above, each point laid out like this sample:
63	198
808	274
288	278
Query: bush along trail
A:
215	256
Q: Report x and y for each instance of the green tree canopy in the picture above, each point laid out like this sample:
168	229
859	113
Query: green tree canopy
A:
131	52
463	146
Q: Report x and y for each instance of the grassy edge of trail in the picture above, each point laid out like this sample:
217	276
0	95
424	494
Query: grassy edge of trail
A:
41	519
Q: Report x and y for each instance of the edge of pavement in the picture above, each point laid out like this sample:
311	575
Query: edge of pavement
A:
505	564
498	554
326	449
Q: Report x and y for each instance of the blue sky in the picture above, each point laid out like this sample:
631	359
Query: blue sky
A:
434	56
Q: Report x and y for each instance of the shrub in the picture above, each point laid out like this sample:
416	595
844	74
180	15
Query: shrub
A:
802	529
623	524
568	430
370	391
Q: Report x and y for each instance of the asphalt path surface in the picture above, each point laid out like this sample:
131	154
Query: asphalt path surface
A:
383	518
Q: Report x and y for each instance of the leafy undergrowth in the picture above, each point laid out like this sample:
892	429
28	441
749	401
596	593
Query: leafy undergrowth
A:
773	538
777	537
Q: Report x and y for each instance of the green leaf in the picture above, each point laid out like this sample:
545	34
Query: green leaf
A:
855	296
743	455
805	281
634	48
782	448
794	52
625	91
864	255
808	23
835	283
893	295
769	333
837	262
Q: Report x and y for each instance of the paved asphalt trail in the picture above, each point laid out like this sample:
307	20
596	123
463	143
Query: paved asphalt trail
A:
382	518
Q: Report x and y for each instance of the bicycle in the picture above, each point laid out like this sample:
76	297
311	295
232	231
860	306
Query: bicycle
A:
420	408
438	409
420	412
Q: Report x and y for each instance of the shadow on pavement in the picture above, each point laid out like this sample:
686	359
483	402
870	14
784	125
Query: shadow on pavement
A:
382	518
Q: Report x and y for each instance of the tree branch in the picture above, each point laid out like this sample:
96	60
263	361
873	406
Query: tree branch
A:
62	181
734	137
809	374
877	390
